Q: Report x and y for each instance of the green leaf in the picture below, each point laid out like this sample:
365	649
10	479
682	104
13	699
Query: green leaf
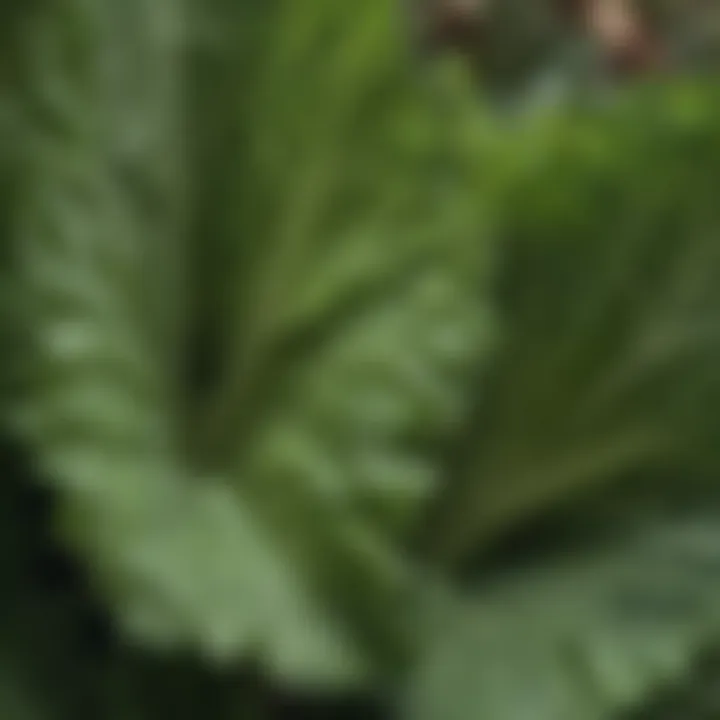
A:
609	295
313	256
581	636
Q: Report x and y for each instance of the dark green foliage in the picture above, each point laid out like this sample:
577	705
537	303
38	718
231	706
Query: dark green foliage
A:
609	293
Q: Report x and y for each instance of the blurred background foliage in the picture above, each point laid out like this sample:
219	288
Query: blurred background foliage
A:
347	375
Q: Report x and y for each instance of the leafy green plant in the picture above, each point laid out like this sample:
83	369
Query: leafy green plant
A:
260	261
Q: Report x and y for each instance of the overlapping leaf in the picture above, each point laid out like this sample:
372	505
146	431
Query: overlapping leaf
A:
610	297
604	399
282	217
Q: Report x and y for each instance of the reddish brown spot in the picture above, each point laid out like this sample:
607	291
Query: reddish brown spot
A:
456	24
640	57
571	9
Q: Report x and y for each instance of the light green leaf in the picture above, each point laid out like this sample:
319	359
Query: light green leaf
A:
582	636
318	260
